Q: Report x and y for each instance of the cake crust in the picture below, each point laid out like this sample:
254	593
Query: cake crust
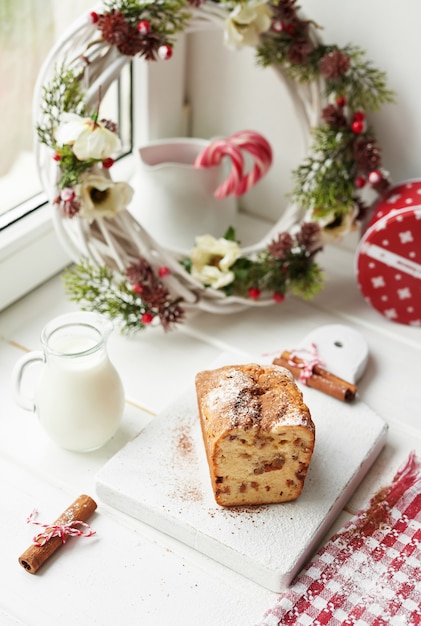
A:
257	431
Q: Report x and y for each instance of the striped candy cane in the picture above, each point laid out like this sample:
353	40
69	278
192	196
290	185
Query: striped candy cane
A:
238	183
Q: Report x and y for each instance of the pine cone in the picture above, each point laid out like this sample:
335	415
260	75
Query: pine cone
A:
150	45
117	31
382	186
309	237
299	51
170	314
334	64
154	295
286	10
67	208
334	116
367	154
281	247
140	272
110	125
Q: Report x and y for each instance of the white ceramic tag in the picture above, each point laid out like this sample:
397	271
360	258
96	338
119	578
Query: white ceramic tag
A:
343	350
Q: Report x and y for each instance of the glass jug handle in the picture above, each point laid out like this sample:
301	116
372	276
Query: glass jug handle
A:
18	371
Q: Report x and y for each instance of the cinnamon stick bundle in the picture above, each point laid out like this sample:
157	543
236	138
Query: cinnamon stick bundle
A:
36	555
320	379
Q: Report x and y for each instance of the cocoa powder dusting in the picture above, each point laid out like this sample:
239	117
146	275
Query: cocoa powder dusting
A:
184	444
187	489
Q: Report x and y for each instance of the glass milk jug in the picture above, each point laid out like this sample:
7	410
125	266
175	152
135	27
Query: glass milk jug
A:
79	396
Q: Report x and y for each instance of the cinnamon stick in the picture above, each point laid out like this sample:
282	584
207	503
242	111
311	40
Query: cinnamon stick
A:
36	555
320	379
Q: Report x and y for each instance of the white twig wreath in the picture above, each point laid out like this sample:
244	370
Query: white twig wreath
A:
120	269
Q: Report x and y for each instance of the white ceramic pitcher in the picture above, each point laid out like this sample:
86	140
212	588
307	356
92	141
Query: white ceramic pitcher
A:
174	200
79	395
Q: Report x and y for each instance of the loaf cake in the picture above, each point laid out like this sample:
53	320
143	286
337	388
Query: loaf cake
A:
257	431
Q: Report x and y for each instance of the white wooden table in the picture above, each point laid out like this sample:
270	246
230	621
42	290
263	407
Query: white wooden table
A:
130	573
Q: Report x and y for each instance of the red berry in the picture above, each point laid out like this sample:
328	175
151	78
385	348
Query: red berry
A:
138	289
163	271
341	101
144	27
357	126
147	318
254	293
359	116
165	52
278	297
94	17
375	177
360	182
107	163
57	157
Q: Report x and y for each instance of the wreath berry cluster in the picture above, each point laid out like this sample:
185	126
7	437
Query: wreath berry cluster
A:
344	157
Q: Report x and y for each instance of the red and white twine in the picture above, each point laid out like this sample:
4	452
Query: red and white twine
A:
306	365
64	530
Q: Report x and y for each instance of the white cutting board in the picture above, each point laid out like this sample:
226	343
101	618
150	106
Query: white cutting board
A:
161	478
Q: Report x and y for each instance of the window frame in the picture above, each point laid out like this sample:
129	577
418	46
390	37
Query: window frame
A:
30	250
157	108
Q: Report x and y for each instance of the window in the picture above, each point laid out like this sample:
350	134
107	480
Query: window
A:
28	30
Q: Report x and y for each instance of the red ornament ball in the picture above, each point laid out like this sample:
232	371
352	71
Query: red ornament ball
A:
107	163
359	116
147	318
254	293
341	101
163	271
358	126
93	17
278	297
165	52
360	182
144	27
138	289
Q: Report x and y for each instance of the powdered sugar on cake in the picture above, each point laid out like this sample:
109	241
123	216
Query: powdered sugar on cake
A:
240	398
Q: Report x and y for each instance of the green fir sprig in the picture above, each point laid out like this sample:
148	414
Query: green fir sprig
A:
363	85
325	180
132	305
296	273
63	94
166	18
94	288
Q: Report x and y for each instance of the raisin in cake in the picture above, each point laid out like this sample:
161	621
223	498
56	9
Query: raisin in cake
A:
258	433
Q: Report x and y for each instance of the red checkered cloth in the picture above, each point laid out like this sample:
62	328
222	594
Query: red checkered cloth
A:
369	572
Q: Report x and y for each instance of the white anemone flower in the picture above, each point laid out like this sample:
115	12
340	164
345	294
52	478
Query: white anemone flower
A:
246	22
89	139
212	259
101	197
336	229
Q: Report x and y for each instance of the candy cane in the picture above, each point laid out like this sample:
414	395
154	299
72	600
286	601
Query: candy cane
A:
260	149
237	182
213	154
